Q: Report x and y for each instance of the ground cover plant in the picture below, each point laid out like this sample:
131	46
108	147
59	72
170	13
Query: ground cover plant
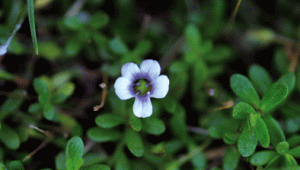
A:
137	84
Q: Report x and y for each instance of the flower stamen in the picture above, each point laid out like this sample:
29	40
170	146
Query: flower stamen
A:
142	87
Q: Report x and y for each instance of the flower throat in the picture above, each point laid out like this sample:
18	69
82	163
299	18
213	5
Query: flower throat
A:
142	86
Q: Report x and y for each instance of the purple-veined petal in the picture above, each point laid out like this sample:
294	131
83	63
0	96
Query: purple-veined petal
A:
151	67
122	88
129	70
142	106
160	86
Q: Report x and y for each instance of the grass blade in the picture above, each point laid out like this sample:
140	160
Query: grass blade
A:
32	25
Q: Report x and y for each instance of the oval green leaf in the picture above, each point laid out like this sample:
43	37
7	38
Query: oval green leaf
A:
243	88
134	143
276	133
295	152
261	132
242	110
154	126
260	77
231	158
109	120
135	122
282	148
74	151
103	135
261	158
9	137
247	141
289	79
96	167
15	165
273	96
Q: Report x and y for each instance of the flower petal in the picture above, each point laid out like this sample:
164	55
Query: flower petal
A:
142	106
160	87
129	70
151	67
122	88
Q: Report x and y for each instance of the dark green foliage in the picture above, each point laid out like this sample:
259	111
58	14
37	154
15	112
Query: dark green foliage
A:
232	101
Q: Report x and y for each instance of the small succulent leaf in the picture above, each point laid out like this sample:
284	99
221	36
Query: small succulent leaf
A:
290	162
109	120
15	165
247	141
295	152
154	126
260	77
12	103
294	141
262	157
122	162
135	122
261	132
103	135
231	159
9	137
96	167
243	88
193	36
275	132
242	110
230	137
282	148
134	143
74	151
273	96
289	79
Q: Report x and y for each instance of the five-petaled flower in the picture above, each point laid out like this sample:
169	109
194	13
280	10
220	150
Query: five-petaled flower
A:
142	83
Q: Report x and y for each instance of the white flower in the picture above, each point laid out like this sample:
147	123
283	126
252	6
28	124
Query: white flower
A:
142	83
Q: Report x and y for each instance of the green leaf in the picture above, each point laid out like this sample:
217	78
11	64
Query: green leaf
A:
103	135
32	25
262	157
231	158
261	132
219	54
118	46
260	77
135	122
193	37
96	167
6	75
9	137
15	165
244	89
134	143
247	141
50	50
294	141
282	148
242	110
74	151
12	103
289	79
273	96
295	152
230	137
154	126
276	133
199	160
63	92
109	120
99	20
122	162
290	161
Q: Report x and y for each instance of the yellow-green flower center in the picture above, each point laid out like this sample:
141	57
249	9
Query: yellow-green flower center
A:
142	86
